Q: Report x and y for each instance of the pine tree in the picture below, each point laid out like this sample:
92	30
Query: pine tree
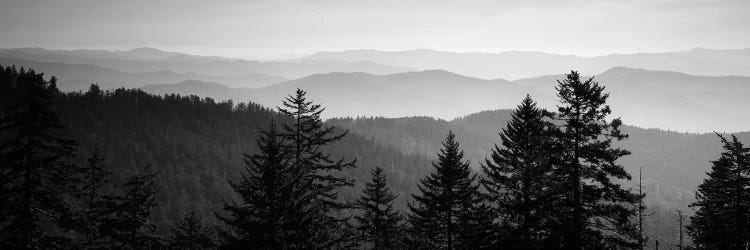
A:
94	186
596	210
36	163
129	225
379	223
192	234
273	214
722	218
518	177
450	212
317	172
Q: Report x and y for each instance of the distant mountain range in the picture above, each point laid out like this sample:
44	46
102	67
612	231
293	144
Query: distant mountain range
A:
643	98
435	93
143	60
73	77
668	100
524	64
365	82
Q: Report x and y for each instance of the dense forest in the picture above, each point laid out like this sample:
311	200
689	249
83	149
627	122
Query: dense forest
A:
125	169
198	145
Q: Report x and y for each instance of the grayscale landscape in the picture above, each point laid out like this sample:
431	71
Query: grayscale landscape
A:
375	125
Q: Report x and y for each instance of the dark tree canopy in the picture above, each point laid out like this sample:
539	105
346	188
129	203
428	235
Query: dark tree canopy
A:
595	208
129	224
518	179
379	223
290	189
317	173
37	165
722	217
94	198
272	214
192	234
448	213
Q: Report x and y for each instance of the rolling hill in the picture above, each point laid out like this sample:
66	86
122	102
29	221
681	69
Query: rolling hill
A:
433	93
673	163
668	100
149	59
652	99
74	77
197	145
524	64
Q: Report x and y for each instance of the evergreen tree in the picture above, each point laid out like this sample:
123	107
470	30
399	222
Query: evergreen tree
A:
379	222
192	234
596	210
317	176
272	214
36	167
722	219
128	224
518	176
94	186
450	212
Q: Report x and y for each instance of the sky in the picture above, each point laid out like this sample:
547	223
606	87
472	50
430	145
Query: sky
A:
279	29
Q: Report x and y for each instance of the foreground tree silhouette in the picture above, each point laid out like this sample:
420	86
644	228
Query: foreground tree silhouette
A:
94	195
518	177
192	234
129	224
290	189
722	219
595	210
35	163
379	222
317	177
450	212
273	214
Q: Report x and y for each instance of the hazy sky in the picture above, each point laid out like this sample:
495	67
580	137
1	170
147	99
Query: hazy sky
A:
286	28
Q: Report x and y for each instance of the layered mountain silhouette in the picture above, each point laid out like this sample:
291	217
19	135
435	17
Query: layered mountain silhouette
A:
360	82
435	93
524	64
74	77
149	59
670	100
644	98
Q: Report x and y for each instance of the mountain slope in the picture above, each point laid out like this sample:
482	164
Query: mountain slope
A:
643	98
433	93
673	162
669	100
198	145
524	64
148	59
73	77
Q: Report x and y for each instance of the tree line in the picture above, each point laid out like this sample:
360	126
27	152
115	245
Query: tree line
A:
552	183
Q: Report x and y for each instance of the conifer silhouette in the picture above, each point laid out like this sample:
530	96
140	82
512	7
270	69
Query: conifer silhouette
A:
450	212
36	166
518	177
318	177
192	234
722	217
595	210
379	223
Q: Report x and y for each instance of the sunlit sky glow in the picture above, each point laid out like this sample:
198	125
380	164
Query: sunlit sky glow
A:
287	29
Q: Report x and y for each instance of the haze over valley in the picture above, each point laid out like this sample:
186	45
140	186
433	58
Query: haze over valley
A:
360	124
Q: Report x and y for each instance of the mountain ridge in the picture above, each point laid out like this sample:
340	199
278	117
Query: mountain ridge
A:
516	65
646	98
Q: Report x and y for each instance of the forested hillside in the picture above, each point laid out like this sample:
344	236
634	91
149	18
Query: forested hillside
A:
198	144
673	163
